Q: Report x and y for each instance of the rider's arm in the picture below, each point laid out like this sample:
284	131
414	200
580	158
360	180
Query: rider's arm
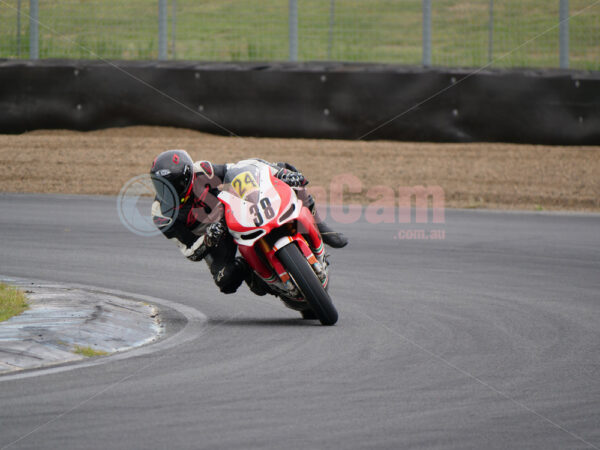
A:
282	170
192	246
288	174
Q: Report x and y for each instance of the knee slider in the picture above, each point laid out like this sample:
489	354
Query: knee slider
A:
230	277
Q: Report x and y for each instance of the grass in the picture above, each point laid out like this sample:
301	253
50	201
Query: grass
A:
388	31
88	351
12	302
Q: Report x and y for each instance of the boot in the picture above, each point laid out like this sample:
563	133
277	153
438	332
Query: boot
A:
332	238
256	284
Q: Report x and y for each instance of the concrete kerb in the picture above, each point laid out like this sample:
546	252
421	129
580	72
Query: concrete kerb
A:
62	318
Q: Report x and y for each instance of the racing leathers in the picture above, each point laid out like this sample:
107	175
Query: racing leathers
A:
198	228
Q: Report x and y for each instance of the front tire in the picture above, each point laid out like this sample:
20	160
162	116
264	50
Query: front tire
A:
308	283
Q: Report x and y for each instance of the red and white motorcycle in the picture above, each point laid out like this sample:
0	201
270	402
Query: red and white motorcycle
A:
278	237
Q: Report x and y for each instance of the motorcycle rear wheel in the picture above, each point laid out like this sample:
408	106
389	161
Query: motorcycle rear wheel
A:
308	283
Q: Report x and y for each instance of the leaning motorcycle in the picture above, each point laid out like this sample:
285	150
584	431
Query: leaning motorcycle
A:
277	235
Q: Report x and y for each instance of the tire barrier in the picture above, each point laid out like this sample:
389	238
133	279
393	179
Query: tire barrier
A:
305	100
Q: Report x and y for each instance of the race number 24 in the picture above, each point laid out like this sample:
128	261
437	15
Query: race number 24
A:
244	184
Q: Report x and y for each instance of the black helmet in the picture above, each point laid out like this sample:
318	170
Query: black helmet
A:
177	168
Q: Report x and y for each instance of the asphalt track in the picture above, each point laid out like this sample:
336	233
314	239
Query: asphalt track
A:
489	338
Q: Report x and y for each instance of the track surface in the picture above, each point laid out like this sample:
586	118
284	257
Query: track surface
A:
487	339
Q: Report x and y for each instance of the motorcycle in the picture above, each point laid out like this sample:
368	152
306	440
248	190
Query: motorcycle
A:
277	235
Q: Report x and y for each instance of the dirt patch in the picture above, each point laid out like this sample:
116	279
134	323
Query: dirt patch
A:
479	175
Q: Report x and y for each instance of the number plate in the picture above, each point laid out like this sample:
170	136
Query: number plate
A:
244	184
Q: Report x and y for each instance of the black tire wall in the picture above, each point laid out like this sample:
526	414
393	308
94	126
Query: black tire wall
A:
311	100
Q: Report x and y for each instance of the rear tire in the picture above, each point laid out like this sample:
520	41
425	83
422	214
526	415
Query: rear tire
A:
308	283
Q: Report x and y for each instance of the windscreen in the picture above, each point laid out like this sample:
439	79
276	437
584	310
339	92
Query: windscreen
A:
243	180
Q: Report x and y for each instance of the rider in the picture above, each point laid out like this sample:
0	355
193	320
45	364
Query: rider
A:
197	225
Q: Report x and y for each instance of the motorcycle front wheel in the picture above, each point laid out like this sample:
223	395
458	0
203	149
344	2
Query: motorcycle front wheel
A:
308	283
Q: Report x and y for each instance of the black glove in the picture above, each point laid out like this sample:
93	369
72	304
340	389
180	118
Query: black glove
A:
214	233
292	179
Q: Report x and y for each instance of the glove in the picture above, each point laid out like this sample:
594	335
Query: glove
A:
196	252
292	179
214	233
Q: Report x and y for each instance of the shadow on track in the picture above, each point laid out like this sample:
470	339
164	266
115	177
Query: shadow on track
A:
261	322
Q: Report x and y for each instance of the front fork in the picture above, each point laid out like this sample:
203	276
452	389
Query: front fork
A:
313	250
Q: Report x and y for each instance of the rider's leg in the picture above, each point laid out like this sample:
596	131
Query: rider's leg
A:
256	284
228	271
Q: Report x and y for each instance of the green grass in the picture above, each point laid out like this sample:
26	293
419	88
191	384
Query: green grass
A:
12	302
388	31
88	351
